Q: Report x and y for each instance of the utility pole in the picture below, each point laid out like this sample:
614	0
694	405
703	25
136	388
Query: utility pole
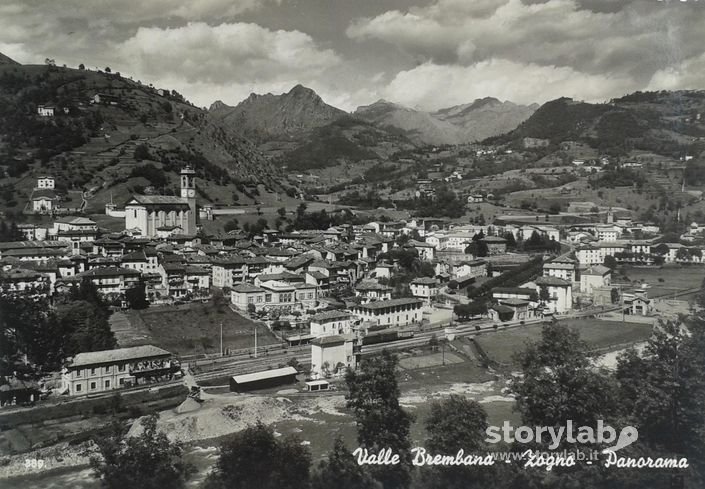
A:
255	341
221	338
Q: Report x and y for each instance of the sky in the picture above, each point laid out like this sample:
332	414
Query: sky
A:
425	54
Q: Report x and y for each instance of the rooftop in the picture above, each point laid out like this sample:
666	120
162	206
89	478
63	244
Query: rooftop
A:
246	288
371	285
597	270
157	200
119	355
374	306
554	281
267	374
330	315
424	281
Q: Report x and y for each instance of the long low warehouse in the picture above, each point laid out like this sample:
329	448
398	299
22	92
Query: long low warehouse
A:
263	380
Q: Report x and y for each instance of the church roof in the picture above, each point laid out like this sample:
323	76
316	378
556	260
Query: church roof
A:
158	200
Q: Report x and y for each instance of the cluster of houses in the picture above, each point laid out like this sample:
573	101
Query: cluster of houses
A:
335	282
633	243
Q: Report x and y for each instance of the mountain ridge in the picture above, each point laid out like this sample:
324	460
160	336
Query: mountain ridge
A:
6	60
459	124
284	116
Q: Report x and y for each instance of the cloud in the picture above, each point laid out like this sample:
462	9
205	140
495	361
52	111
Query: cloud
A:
225	53
687	75
75	31
432	86
590	36
448	51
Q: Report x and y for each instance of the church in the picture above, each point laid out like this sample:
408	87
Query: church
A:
159	215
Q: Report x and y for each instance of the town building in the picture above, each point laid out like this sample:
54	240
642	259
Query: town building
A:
329	323
44	201
560	268
152	213
560	294
495	245
45	111
371	290
111	280
332	356
595	277
394	312
274	295
46	182
263	380
106	370
425	288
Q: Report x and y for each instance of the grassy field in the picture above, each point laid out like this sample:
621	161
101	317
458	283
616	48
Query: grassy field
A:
666	280
195	328
502	346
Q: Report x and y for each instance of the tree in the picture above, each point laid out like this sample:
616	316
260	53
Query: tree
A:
147	461
141	153
10	233
683	254
340	471
477	248
81	66
610	262
137	297
231	225
86	327
511	240
453	424
373	395
282	212
475	308
560	382
255	458
544	294
614	295
107	69
29	327
453	284
663	388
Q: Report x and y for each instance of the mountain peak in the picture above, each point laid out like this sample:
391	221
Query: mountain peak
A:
218	105
300	90
266	117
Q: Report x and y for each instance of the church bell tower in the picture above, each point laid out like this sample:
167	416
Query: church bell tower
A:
188	192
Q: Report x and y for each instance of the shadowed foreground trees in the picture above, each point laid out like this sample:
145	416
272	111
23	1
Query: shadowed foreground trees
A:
255	458
147	461
381	422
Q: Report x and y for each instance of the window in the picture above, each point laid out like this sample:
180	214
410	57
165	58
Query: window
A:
92	371
93	385
107	384
106	370
122	381
78	373
121	368
78	387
